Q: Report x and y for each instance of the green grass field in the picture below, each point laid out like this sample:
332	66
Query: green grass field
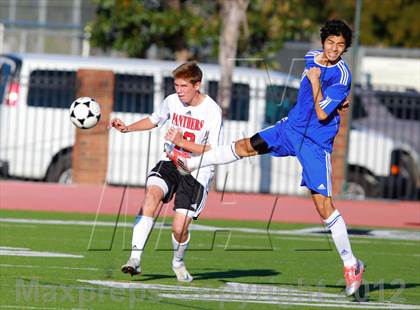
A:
232	268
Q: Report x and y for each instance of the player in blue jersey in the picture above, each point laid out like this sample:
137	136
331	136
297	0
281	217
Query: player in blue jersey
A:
307	133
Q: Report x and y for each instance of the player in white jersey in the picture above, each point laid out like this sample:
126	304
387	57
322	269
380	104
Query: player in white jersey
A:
195	122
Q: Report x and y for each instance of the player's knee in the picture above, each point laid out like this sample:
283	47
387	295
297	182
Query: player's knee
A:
328	207
153	195
180	233
325	208
152	200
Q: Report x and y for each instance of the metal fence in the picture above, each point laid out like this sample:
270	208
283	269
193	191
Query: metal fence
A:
35	133
384	142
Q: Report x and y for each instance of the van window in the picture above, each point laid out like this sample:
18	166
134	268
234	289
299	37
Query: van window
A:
5	70
275	107
168	86
133	93
51	88
401	105
358	111
239	102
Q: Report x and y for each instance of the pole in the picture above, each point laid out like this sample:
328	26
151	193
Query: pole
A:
1	38
356	73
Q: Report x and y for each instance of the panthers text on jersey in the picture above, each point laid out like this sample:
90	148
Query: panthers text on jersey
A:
201	124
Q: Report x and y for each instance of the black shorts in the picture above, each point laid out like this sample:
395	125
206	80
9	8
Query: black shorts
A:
190	194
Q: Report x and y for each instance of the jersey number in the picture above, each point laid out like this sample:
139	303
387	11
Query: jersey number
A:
189	136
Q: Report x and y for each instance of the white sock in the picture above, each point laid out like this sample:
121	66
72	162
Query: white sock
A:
222	154
141	231
179	251
337	226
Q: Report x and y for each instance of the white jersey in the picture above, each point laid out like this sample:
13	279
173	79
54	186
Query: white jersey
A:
201	124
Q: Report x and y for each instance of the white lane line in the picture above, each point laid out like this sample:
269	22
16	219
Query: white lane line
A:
38	308
9	251
60	222
12	248
253	293
393	234
24	307
271	289
160	287
286	301
48	267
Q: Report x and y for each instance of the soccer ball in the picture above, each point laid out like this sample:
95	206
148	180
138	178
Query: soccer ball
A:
85	112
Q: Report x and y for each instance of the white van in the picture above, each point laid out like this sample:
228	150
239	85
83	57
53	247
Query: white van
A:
36	135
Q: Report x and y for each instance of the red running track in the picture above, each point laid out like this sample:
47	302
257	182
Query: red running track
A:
236	206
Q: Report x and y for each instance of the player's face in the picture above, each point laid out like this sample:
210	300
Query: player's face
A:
334	47
185	90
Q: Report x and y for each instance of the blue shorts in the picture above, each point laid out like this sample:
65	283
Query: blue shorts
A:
316	162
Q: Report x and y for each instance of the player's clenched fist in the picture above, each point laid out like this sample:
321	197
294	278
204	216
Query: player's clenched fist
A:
119	125
174	135
313	73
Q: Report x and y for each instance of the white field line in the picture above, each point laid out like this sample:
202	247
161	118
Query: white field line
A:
48	267
12	248
159	287
179	288
286	301
253	293
9	251
37	308
311	231
24	307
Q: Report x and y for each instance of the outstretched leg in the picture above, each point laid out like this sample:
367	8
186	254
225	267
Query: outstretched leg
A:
219	155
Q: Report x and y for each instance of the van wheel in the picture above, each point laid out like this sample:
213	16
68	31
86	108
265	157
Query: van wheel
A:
408	172
60	170
361	185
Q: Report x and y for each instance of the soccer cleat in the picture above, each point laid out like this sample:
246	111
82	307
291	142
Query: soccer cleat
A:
182	273
132	267
353	276
178	157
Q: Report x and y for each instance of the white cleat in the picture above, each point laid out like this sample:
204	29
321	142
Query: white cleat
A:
182	273
132	267
178	157
353	276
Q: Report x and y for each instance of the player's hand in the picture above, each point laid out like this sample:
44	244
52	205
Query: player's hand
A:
174	135
313	74
345	105
118	125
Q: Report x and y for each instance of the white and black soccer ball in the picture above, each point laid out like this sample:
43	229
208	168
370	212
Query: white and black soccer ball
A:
85	112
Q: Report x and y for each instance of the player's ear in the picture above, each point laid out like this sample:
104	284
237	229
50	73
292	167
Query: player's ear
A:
197	86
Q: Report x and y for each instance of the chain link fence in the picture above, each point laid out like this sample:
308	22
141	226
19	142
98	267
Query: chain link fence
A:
36	136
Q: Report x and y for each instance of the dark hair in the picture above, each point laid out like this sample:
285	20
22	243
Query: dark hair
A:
189	71
336	27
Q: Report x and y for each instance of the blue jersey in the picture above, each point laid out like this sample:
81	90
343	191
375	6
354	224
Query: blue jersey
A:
335	83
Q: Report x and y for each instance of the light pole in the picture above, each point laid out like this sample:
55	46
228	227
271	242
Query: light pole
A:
355	69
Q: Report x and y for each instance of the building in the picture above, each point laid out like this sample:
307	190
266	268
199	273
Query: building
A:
44	26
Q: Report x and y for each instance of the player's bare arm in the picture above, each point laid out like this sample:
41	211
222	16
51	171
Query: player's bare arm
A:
345	105
174	135
141	125
313	75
